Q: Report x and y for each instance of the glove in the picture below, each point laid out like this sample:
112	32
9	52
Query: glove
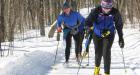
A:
105	33
59	29
121	42
74	31
88	31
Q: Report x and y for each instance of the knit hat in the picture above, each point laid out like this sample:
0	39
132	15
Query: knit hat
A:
65	5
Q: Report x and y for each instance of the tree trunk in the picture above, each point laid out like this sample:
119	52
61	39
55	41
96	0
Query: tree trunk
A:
41	19
2	26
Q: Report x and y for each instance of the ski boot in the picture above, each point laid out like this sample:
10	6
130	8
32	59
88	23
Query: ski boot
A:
84	54
66	64
96	70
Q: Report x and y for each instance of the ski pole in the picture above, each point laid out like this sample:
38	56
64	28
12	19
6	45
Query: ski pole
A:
58	39
123	59
79	66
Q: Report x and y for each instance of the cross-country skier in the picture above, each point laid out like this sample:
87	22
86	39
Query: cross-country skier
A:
72	24
88	36
105	19
52	30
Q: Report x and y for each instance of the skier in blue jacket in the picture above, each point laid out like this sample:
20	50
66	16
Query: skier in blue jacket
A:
88	36
72	24
106	20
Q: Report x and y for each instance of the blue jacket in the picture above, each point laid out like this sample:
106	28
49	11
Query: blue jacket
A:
71	20
101	21
105	22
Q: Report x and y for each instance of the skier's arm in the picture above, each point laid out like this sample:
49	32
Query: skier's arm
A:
59	22
81	19
119	27
119	23
91	18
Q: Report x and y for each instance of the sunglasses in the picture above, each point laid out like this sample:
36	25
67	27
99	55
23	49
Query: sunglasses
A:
106	5
106	8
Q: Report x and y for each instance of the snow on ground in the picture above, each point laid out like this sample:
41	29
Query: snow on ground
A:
35	56
30	57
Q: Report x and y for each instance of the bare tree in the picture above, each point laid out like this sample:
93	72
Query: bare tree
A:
41	18
2	28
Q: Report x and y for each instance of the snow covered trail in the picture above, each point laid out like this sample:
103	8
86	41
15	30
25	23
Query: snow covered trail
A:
35	63
32	57
131	55
39	54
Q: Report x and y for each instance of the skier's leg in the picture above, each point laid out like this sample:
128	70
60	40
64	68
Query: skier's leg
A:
98	50
81	38
68	46
98	53
107	44
88	41
77	45
88	44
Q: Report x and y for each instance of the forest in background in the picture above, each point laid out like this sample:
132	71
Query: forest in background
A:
19	16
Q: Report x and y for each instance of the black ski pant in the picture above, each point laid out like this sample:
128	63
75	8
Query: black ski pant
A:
81	38
68	45
103	48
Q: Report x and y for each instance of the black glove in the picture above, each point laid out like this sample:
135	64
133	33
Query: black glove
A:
74	31
88	31
121	42
105	33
